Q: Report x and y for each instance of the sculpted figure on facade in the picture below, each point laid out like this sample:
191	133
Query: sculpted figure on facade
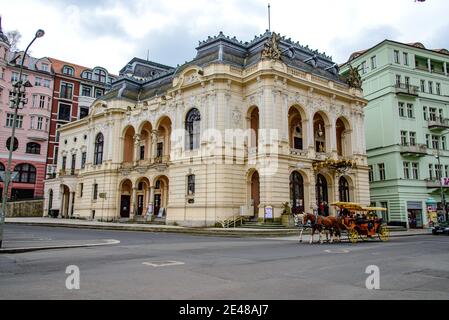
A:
271	48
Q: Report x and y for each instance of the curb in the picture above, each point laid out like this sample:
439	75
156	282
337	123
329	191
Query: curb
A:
30	249
194	231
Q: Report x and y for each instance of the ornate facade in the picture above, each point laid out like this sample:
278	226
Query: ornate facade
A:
241	128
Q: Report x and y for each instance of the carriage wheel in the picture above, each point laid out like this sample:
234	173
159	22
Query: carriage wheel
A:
353	235
384	233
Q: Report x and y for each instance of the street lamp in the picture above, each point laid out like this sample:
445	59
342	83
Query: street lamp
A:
19	90
443	200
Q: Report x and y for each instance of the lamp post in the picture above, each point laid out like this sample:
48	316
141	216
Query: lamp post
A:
19	90
443	200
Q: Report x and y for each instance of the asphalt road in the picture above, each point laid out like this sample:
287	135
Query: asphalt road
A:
173	266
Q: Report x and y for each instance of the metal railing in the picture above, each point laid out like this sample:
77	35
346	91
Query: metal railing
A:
406	89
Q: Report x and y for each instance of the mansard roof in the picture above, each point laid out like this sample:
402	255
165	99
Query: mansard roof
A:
142	78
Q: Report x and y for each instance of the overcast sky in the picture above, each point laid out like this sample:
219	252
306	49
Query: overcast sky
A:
109	33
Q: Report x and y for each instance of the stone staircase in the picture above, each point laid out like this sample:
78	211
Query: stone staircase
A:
266	225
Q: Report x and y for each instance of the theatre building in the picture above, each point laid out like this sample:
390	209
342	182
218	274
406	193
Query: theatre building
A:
242	129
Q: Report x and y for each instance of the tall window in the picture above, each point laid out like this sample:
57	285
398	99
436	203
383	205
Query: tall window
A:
424	112
98	152
191	184
95	193
2	170
343	189
438	88
381	167
193	119
83	159
38	82
371	173
33	148
431	87
100	75
406	166
10	120
363	67
373	62
86	91
432	114
404	138
73	163
443	142
401	109
423	86
412	138
428	140
405	56
415	170
438	171
64	111
430	171
26	173
396	56
66	90
410	112
398	80
84	112
435	142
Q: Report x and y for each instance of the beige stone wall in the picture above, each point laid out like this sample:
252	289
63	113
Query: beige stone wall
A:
224	96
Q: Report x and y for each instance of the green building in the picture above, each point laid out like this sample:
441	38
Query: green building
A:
406	126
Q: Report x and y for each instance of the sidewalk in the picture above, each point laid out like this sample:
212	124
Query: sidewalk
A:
231	232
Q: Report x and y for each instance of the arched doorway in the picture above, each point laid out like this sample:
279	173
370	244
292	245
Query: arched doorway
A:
160	200
296	137
65	195
254	126
321	190
125	198
255	193
319	133
142	195
343	189
297	192
128	145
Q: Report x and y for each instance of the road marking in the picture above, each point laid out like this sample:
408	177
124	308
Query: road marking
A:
157	264
337	251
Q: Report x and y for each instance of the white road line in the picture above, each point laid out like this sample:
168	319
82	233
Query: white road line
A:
157	264
337	251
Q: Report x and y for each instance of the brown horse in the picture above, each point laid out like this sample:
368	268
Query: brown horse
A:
320	224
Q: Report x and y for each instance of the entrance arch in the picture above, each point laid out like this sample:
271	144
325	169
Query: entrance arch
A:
128	145
142	195
126	188
163	140
160	200
343	135
320	135
297	192
50	202
145	141
253	115
254	188
296	117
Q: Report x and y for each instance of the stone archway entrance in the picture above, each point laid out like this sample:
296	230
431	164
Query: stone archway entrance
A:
255	194
343	190
125	198
297	192
160	200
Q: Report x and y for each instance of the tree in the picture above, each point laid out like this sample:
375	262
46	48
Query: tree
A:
14	37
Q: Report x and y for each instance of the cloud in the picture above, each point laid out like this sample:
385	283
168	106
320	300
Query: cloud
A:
342	47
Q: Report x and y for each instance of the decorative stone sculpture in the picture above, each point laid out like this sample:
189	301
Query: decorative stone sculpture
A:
354	80
271	48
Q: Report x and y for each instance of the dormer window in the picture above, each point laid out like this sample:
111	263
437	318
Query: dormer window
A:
100	75
87	75
44	67
68	71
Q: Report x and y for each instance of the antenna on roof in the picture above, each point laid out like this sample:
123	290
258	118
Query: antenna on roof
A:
269	22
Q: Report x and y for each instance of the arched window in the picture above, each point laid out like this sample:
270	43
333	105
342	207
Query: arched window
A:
343	189
15	145
193	121
191	184
33	147
98	151
2	170
26	173
100	75
68	70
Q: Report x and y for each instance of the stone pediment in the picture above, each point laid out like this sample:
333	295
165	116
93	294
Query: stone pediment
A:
188	76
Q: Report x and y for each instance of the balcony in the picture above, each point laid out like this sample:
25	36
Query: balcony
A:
406	89
298	152
418	150
438	124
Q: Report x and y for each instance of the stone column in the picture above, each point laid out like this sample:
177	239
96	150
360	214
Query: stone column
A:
133	205
429	65
151	195
136	148
110	142
61	206
154	136
69	213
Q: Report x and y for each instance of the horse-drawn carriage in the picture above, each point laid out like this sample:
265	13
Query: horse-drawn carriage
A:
353	220
361	222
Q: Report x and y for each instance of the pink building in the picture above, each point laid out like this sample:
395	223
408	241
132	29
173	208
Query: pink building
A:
33	122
